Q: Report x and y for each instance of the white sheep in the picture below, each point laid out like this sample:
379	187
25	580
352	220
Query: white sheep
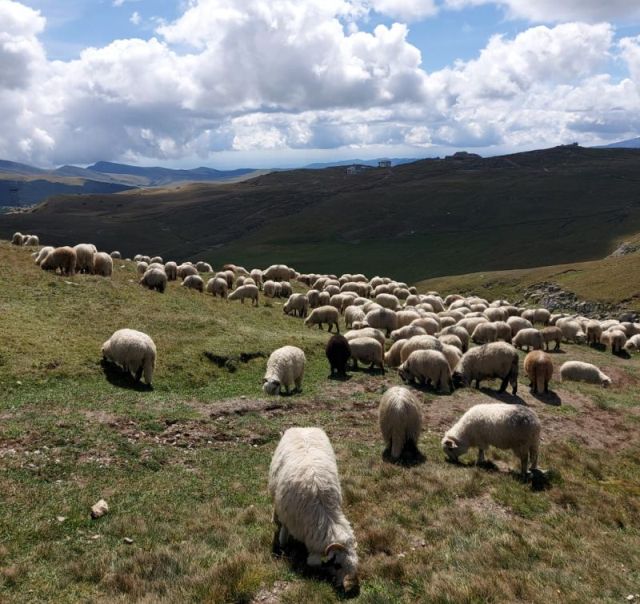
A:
297	304
102	264
485	333
406	332
368	351
246	291
594	332
42	254
456	330
217	287
494	360
366	332
307	503
285	368
141	267
154	278
420	343
383	319
18	238
400	420
132	350
500	425
352	314
204	267
62	258
32	241
171	270
529	338
84	257
633	344
428	367
193	282
256	275
615	339
186	270
392	356
116	255
324	314
577	371
537	315
572	331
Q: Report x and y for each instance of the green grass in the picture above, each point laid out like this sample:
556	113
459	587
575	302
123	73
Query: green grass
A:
184	466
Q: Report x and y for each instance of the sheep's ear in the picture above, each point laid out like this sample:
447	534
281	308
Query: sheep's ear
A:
333	549
449	443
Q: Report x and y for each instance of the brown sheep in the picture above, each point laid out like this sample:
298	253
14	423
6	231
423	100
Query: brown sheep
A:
63	258
552	334
539	369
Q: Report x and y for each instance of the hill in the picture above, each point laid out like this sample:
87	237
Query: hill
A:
425	219
184	465
633	143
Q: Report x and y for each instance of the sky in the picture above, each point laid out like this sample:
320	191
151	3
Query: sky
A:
278	83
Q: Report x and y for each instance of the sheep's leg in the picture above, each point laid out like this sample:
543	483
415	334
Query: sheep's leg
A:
139	374
299	384
546	386
533	456
524	463
355	364
477	384
480	456
557	345
503	385
320	326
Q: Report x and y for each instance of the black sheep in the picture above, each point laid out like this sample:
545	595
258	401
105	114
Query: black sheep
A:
338	353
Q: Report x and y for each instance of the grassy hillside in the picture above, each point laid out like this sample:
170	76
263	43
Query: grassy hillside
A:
184	465
612	280
425	219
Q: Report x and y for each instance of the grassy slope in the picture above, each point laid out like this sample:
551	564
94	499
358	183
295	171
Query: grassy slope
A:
184	466
419	220
612	280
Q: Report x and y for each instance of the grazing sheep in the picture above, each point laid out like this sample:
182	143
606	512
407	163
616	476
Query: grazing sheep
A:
572	331
116	255
420	343
313	295
277	272
615	339
500	425
132	350
154	279
307	503
297	304
494	360
633	344
217	287
470	323
367	350
429	324
141	267
271	289
31	241
194	282
171	269
484	333
338	353
452	340
529	338
352	314
539	368
452	354
204	267
392	356
324	314
383	319
406	332
186	270
62	258
366	332
157	259
594	332
456	330
577	371
552	333
285	368
537	315
84	257
18	238
285	289
427	367
245	291
43	253
102	264
407	317
400	421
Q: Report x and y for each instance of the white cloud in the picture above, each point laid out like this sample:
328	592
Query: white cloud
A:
135	18
405	10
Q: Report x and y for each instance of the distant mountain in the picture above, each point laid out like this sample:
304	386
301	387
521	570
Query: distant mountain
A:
22	169
632	143
395	161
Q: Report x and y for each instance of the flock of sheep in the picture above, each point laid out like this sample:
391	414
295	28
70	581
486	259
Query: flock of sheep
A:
425	337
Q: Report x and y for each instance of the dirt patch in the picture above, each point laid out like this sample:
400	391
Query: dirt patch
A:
484	506
273	595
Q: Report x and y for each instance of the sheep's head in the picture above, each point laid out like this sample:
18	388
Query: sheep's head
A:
606	381
581	337
404	373
453	448
271	386
458	379
342	561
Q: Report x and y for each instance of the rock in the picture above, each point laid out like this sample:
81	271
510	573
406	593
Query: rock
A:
128	540
61	518
99	509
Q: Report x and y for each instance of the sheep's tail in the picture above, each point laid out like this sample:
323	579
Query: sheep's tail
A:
149	365
540	379
398	441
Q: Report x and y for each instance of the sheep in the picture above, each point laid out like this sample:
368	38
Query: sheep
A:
285	289
471	323
132	350
577	371
141	268
539	368
501	425
324	314
496	314
406	317
452	354
366	332
194	282
615	339
338	353
552	334
277	272
400	421
420	343
428	367
633	344
494	360
537	315
31	241
529	338
63	258
404	333
84	257
116	255
154	278
171	270
323	299
256	275
204	267
353	313
42	254
383	319
245	291
156	259
297	304
484	333
102	264
388	301
271	289
18	238
186	270
285	368
367	350
452	340
456	330
307	504
572	331
392	356
429	324
217	287
313	295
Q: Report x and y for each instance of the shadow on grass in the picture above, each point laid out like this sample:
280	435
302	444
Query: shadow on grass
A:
558	351
548	398
540	480
503	397
411	456
337	377
295	554
122	379
597	346
369	370
622	354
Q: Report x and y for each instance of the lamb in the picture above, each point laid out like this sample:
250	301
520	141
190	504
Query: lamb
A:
577	371
408	331
452	354
102	264
307	499
367	350
539	368
529	338
154	279
193	282
297	304
324	314
217	287
383	319
171	269
245	291
392	356
494	360
633	344
84	257
615	339
132	350
550	334
420	343
42	254
62	258
400	421
428	367
501	425
256	275
572	331
285	368
338	354
366	332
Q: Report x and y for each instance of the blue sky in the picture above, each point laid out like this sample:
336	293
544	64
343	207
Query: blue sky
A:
263	83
